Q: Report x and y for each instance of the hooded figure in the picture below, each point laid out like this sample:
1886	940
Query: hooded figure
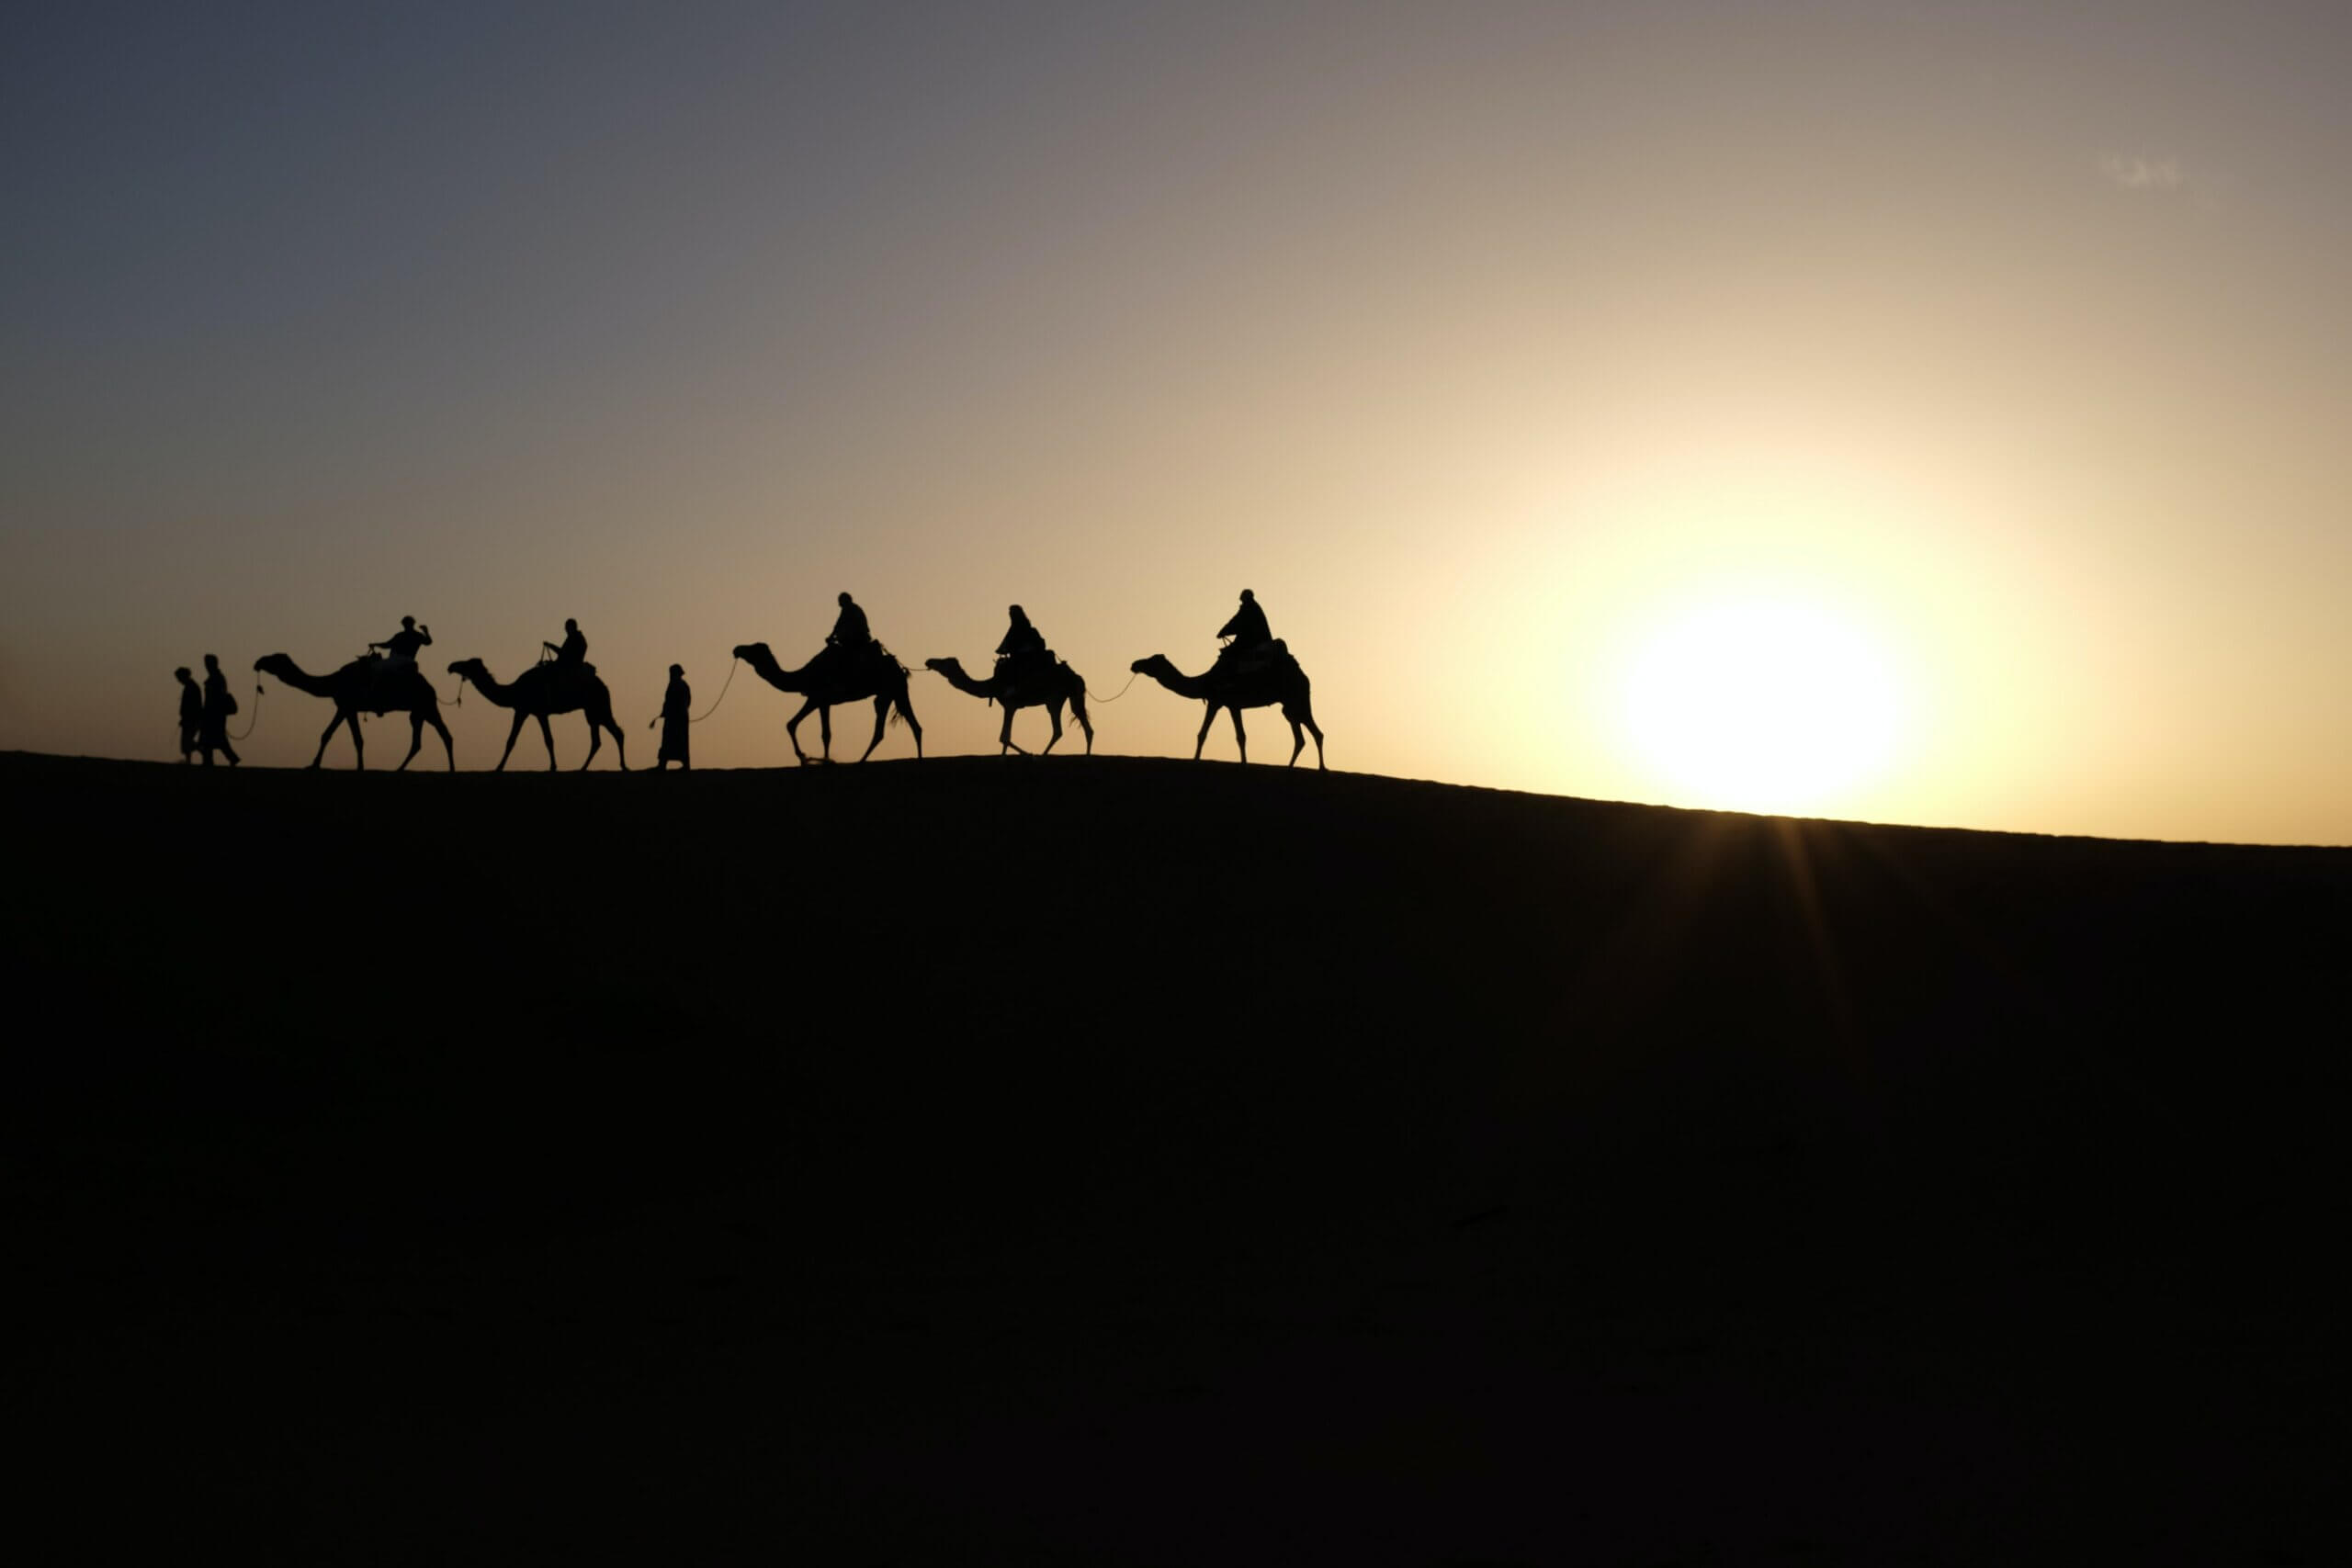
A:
191	712
1023	647
850	633
1248	627
677	701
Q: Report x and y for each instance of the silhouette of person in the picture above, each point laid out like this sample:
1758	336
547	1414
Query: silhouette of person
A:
677	701
1248	628
218	705
1024	647
850	633
573	650
403	643
191	713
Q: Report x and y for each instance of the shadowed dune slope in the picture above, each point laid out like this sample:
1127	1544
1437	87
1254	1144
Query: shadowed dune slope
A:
1028	1088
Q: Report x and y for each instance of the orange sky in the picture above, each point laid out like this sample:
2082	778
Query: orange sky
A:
1512	354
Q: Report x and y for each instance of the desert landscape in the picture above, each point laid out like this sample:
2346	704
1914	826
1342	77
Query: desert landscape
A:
1130	1160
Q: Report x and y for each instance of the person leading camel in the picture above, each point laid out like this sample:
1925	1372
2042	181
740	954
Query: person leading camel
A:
191	712
677	701
218	705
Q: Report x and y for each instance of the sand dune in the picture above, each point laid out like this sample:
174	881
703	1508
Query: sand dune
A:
1131	1160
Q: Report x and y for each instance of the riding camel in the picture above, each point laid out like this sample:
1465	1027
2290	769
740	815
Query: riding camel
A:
368	685
549	688
826	683
1047	689
1277	682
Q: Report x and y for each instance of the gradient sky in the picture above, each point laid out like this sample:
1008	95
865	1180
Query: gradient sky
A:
1504	350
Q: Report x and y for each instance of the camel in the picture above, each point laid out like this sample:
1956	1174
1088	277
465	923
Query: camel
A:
825	682
1280	682
1046	689
548	688
367	685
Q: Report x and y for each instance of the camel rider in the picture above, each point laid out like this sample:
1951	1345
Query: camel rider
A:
573	650
1247	629
403	643
1024	647
850	637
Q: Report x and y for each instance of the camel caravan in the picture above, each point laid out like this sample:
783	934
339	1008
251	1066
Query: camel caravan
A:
1252	669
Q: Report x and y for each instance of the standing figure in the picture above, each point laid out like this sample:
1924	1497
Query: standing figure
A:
573	650
403	643
191	713
218	705
1247	629
677	701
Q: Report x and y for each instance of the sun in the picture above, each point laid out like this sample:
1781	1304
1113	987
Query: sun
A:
1763	701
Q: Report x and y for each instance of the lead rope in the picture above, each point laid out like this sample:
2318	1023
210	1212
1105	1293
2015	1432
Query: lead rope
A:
251	722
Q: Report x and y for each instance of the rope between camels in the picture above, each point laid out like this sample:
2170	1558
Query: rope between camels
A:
251	722
1123	691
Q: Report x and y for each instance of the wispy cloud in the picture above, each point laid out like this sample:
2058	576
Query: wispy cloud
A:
2139	172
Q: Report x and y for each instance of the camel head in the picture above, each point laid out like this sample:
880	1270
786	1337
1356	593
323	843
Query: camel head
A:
276	664
469	670
943	666
1146	665
753	650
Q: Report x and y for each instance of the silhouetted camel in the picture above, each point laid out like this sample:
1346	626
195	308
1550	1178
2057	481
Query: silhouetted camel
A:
1279	682
364	685
1046	689
828	683
547	688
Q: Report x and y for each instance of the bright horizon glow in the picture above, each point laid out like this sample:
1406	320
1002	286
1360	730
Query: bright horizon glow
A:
1763	701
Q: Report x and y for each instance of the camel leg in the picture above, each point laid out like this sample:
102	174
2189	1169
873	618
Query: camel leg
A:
415	739
546	733
359	746
328	734
914	727
1239	737
1054	712
620	746
1004	735
881	717
1305	715
596	743
1203	738
512	732
1078	712
448	746
825	730
792	730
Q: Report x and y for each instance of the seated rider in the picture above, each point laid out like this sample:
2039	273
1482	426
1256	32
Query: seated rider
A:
1024	647
849	640
403	643
573	651
1247	629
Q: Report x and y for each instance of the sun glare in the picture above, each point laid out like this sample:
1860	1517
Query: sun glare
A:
1762	703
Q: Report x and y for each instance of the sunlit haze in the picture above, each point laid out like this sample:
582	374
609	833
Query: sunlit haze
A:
1926	413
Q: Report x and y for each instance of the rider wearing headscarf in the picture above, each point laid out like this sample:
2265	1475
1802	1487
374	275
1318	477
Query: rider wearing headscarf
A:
1248	627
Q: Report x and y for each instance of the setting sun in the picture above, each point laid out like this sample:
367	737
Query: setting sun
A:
1762	702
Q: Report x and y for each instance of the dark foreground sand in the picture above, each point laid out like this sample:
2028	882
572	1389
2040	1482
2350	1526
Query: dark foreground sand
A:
1134	1161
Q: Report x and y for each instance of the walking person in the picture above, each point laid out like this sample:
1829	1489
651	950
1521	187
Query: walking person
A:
219	703
677	701
191	714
